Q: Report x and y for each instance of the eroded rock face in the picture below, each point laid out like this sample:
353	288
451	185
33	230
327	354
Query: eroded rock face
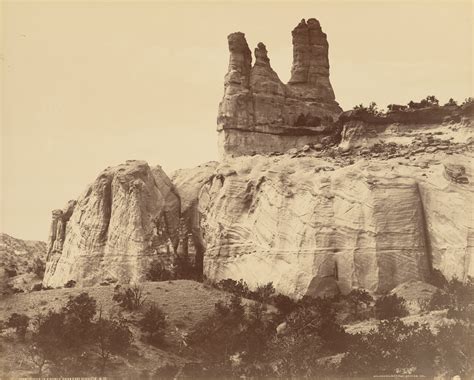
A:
374	224
188	183
21	263
259	113
128	217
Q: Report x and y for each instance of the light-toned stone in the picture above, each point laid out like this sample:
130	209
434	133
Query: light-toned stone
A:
259	113
125	219
371	225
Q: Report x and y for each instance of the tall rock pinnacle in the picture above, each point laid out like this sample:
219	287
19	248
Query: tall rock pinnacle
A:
259	113
310	58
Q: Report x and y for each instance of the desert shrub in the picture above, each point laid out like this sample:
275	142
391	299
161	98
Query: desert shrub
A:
455	350
70	284
239	288
83	307
158	272
130	298
439	300
37	287
153	323
390	306
461	295
263	293
38	267
18	322
311	333
79	313
231	332
69	340
284	304
396	107
429	101
111	337
393	348
372	109
359	301
60	339
467	101
451	102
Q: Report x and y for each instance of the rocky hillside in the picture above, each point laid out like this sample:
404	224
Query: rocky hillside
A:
21	263
312	199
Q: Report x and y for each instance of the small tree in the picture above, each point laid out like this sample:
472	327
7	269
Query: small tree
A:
432	100
83	307
153	324
263	293
451	102
18	322
390	306
111	337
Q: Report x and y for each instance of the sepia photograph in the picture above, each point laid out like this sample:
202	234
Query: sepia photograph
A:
242	189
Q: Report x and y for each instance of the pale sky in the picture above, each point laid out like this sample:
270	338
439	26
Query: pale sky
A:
89	85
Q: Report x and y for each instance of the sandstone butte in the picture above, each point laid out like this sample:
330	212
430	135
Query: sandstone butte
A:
313	199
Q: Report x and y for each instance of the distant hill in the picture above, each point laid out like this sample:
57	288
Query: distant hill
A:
21	263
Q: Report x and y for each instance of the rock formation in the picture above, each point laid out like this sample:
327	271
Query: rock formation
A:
260	114
21	263
188	183
128	217
317	202
373	224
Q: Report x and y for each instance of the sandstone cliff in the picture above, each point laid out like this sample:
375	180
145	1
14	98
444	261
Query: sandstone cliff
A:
125	219
389	205
260	114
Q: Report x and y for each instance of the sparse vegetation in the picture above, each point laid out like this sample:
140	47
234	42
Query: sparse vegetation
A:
112	336
153	324
130	298
248	338
68	342
372	109
18	322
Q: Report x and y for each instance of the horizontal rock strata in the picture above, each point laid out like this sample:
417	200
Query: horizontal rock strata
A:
258	111
372	224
